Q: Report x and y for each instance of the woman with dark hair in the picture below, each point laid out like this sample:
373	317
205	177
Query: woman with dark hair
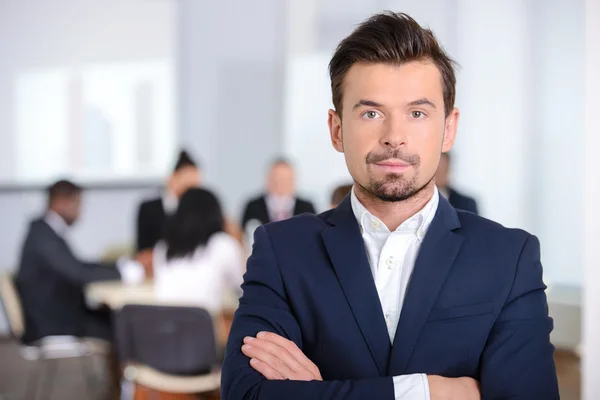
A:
197	261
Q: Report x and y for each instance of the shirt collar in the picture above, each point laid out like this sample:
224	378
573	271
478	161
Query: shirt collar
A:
280	202
417	224
56	222
170	202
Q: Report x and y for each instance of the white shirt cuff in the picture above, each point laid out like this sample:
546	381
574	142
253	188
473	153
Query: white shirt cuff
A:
411	387
132	272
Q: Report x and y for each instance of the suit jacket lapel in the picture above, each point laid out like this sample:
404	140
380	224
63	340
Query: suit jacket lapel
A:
436	256
346	249
264	210
296	210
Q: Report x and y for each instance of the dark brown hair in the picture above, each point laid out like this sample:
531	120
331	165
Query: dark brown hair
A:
63	189
391	38
184	160
198	217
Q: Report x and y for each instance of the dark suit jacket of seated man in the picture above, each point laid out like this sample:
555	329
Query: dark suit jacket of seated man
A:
474	309
51	279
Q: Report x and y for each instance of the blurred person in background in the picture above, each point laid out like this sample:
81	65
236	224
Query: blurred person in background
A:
442	181
197	261
339	194
280	201
51	279
394	294
152	214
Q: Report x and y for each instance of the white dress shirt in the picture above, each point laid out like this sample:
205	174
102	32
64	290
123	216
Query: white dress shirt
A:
170	202
132	272
57	223
202	277
392	257
280	207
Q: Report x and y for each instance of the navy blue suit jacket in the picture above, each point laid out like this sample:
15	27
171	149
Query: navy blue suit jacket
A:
475	307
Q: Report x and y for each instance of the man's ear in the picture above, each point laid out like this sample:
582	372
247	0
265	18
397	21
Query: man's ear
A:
450	129
334	121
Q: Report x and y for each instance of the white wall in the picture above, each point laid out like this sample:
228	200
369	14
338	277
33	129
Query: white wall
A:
591	231
557	108
231	56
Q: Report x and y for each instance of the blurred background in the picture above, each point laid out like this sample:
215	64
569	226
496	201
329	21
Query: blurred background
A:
107	92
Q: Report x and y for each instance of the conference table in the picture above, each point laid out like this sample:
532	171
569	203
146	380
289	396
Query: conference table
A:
115	294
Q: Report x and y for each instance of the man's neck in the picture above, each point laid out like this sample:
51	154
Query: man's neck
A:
56	222
393	214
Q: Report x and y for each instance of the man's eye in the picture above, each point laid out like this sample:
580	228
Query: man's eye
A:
372	115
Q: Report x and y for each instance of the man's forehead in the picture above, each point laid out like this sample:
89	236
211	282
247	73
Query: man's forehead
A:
393	83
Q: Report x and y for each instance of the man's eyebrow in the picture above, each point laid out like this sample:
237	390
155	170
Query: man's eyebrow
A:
422	102
366	103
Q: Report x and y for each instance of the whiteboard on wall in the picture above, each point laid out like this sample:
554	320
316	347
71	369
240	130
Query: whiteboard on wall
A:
98	122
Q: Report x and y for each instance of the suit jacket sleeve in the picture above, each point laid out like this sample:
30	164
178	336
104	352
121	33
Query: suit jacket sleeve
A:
518	360
61	259
143	226
264	307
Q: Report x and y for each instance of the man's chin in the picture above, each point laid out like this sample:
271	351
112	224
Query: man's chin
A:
394	191
393	197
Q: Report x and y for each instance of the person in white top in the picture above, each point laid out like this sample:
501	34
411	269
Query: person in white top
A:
197	262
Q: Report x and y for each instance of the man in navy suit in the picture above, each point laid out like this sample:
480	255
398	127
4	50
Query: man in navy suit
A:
455	198
394	294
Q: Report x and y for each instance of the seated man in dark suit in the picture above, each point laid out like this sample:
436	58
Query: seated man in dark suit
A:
152	214
51	279
280	201
456	199
394	294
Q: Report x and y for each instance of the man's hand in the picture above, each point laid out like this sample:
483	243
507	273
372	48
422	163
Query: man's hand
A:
441	388
278	358
144	257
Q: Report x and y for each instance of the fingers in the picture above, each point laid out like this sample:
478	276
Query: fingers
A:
275	351
288	345
265	370
292	349
272	355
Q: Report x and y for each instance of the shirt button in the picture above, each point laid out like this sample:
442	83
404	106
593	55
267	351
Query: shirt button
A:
390	263
375	224
387	319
